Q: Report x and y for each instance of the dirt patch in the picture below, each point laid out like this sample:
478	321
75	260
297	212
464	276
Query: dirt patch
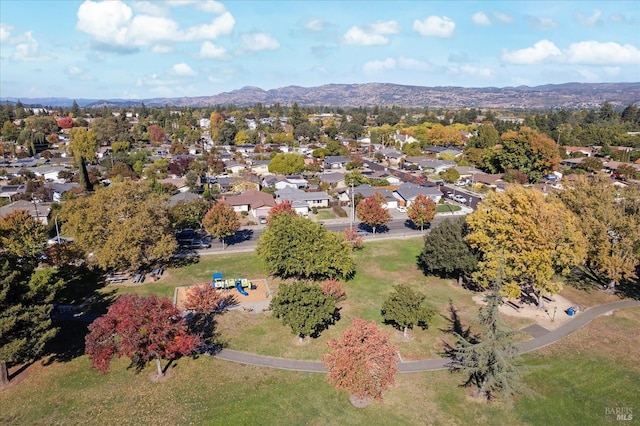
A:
551	316
360	402
153	377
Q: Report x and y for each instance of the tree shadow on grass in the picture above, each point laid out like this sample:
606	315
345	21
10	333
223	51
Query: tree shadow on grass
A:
458	331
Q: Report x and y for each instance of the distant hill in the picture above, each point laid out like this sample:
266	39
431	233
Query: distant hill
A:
551	96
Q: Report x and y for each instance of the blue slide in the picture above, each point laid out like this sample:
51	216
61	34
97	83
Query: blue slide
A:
240	289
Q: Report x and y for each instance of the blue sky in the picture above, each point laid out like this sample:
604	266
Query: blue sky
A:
147	49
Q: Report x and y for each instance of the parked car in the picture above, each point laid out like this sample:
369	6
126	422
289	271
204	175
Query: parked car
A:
551	178
401	209
262	219
461	182
459	198
449	194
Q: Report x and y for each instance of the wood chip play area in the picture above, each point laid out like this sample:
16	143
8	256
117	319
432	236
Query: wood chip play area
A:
253	295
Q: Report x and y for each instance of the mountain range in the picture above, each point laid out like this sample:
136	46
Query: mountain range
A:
551	96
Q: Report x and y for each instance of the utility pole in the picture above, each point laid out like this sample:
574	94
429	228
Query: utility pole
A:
353	207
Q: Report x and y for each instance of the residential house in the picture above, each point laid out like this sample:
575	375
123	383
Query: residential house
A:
391	201
333	179
312	199
335	162
260	167
407	192
235	167
256	203
403	139
572	162
38	211
49	173
584	151
393	156
58	189
182	197
10	191
439	151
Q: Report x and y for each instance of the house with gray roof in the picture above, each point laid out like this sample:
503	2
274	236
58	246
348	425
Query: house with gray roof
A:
335	161
313	199
408	192
391	201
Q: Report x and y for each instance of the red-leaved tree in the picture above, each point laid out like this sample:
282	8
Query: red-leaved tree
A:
334	289
352	237
205	298
371	212
422	211
284	207
140	328
65	122
157	134
363	361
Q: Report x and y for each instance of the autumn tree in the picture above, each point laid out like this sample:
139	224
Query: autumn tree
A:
83	144
370	212
26	293
446	253
489	361
362	361
293	246
286	164
281	208
532	153
203	302
221	221
421	211
334	289
142	328
124	225
216	122
529	237
405	308
611	226
156	134
304	307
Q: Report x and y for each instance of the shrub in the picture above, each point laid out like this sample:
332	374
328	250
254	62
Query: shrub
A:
334	289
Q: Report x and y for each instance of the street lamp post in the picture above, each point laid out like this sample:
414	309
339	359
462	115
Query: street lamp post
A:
57	229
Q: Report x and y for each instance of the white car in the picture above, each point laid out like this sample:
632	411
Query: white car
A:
401	209
459	198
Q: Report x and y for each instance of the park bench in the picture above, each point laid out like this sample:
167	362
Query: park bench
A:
514	305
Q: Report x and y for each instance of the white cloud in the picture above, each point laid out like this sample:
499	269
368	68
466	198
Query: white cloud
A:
538	23
413	64
540	52
106	22
435	26
148	8
161	48
480	18
73	70
259	41
4	33
206	5
27	49
182	70
384	27
476	71
221	25
209	50
315	25
589	21
588	75
357	36
597	53
377	66
113	24
503	17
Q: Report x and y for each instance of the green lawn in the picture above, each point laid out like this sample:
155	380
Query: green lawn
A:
573	381
578	379
447	208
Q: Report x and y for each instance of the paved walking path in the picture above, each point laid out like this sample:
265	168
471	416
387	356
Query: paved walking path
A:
431	364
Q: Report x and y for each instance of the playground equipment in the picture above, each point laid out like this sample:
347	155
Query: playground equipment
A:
217	281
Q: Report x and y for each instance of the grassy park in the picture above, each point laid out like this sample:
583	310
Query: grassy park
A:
573	381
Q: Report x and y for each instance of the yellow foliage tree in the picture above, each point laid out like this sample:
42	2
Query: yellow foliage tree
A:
526	236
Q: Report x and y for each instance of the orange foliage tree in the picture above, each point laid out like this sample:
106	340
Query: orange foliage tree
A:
363	361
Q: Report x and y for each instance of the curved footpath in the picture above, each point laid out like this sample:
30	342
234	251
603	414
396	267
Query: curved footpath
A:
430	364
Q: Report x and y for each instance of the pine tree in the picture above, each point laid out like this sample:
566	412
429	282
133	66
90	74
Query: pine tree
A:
490	362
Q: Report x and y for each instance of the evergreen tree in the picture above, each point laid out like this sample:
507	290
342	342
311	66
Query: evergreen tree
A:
490	363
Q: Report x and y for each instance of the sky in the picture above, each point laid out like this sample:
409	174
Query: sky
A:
182	48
